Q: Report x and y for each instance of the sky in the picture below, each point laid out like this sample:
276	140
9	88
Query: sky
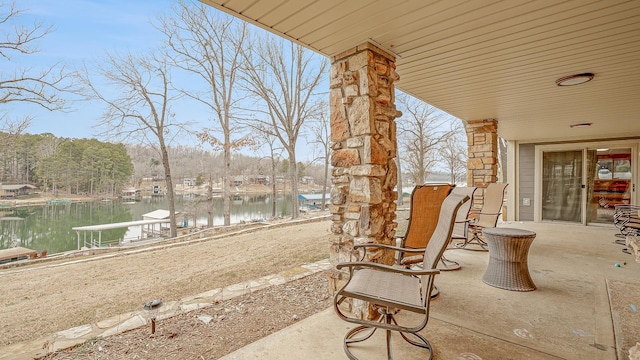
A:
84	31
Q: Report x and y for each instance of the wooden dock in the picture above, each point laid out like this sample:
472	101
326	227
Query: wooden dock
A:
17	253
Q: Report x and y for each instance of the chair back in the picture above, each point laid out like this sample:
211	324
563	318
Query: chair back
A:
440	238
425	208
460	227
493	199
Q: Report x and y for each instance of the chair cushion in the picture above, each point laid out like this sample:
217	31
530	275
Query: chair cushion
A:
387	289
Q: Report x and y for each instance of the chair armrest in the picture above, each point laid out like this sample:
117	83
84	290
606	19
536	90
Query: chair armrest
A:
352	265
397	249
388	247
476	216
486	213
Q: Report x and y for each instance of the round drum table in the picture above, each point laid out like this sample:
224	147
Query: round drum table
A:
508	258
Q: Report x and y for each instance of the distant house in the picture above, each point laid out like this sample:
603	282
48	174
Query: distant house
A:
259	180
189	182
238	180
15	190
307	180
131	194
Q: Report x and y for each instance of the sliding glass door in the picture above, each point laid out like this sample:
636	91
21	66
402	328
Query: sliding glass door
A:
562	185
611	183
584	185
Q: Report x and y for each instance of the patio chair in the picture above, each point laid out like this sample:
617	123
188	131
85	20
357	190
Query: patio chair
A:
461	226
626	218
425	208
485	218
389	289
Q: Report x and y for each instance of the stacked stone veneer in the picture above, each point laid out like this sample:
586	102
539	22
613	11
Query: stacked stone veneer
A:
482	164
363	138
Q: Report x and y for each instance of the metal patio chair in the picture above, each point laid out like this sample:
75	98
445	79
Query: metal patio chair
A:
485	218
425	208
389	289
461	226
626	218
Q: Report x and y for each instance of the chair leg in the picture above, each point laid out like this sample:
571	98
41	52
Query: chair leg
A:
422	343
387	317
448	265
349	338
476	241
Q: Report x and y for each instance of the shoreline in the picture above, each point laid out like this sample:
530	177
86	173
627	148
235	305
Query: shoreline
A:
43	198
182	239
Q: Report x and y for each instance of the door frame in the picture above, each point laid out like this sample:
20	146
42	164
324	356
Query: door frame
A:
581	146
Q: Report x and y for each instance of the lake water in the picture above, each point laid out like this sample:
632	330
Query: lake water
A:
49	227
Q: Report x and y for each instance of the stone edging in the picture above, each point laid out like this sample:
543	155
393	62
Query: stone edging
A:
132	320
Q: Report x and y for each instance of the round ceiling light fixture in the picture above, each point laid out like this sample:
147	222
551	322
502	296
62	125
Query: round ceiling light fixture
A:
580	125
575	79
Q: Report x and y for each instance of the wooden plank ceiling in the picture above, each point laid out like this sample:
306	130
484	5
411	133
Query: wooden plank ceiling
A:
483	59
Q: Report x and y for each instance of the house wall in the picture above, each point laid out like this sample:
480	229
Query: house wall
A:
525	159
526	181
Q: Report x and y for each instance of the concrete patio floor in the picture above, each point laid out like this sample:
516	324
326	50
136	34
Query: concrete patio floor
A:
567	317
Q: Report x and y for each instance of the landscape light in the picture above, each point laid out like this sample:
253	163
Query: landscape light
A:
152	307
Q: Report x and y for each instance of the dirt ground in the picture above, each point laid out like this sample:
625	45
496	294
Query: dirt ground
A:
213	332
42	299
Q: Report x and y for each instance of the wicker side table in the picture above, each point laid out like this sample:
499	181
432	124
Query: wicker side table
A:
508	258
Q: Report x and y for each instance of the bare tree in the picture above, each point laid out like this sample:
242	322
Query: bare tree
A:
420	131
399	184
284	76
274	156
452	152
20	85
137	93
207	45
321	136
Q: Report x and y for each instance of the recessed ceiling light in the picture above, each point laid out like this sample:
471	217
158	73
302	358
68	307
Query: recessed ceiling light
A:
575	79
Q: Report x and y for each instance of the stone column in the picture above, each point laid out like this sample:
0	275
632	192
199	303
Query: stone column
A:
363	140
482	164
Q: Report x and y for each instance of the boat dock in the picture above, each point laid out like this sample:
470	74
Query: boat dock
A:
146	227
17	253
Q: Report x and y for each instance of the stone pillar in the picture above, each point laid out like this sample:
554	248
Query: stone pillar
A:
482	164
363	140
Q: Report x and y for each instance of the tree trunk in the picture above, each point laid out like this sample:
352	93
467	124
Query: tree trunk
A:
170	193
274	191
210	204
326	182
293	175
227	182
399	186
